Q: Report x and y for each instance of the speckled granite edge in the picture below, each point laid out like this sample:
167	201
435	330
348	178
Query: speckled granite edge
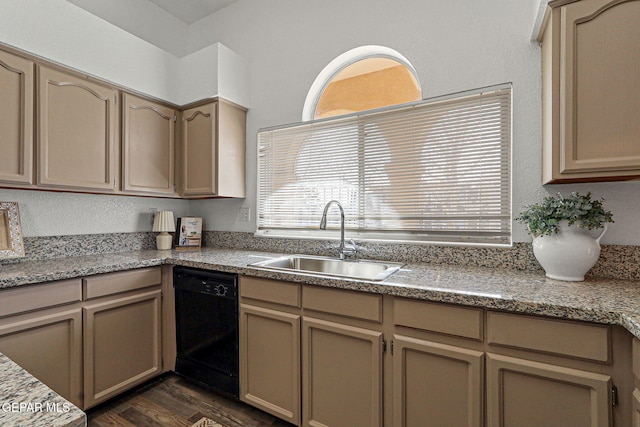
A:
49	270
616	261
612	301
25	401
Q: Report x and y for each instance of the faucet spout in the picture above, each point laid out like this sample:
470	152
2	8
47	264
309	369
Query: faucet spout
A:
323	226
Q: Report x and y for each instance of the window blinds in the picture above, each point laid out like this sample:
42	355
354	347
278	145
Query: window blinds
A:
431	171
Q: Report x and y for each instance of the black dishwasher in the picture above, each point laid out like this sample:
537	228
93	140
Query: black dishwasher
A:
207	328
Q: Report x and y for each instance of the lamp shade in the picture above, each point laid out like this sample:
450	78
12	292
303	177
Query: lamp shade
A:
163	222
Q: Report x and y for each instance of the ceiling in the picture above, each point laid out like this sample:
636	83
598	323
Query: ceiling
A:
164	23
190	11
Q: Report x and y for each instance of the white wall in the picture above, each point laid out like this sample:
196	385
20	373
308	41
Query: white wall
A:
45	213
59	31
454	45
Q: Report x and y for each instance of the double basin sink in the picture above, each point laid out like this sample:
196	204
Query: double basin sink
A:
328	266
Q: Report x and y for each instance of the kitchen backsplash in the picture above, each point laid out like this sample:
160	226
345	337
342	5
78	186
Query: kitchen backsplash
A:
616	261
84	244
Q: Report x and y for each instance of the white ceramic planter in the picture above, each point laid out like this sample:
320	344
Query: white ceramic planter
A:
569	253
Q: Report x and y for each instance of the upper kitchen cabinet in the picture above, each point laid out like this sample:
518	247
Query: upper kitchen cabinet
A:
148	147
213	150
591	90
76	132
16	126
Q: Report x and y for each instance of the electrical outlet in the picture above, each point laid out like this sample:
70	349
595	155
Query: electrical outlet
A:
152	215
245	214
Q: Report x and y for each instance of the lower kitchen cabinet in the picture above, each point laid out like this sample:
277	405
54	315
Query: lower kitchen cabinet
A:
523	393
341	374
89	351
270	347
420	368
438	364
122	333
41	330
271	362
636	391
636	408
370	360
121	344
342	358
48	344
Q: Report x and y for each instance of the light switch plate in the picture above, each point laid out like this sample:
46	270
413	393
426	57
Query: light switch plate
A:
245	214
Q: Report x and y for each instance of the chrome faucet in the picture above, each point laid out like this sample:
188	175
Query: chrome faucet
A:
343	250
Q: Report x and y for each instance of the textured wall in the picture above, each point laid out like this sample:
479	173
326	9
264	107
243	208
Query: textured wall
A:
65	33
52	214
454	46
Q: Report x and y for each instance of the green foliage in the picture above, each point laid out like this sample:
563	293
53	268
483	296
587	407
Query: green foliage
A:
543	218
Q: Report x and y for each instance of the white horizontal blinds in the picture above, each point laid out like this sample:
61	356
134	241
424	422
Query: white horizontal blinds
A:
434	171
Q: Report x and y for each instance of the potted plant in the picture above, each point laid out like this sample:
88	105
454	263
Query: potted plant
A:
561	242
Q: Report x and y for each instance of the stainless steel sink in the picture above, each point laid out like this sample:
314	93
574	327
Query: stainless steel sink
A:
327	266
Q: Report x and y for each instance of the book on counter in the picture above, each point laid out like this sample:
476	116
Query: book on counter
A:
189	232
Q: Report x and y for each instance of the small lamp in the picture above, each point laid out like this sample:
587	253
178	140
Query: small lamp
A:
163	222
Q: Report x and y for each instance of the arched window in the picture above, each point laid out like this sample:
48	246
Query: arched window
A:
363	78
403	168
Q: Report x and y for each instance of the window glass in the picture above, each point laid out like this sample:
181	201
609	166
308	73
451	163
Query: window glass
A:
367	84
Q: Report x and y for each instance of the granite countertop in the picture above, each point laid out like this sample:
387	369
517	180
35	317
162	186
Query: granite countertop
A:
608	301
25	401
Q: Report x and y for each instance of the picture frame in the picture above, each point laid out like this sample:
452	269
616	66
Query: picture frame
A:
189	232
11	243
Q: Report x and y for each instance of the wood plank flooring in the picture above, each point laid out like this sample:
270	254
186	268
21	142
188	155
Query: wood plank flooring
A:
173	401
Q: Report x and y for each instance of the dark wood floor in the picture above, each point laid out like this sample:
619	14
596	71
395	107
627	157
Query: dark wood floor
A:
173	401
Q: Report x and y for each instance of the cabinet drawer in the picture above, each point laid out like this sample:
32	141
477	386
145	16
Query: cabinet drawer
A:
345	303
285	293
113	283
559	337
34	297
465	322
636	357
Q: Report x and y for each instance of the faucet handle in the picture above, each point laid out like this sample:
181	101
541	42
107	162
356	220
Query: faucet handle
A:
350	248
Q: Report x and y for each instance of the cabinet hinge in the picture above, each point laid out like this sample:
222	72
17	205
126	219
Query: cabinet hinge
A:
175	118
614	395
392	348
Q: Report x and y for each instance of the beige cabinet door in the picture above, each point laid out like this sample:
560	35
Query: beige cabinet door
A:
270	361
341	375
76	132
636	408
122	345
16	126
48	344
148	146
213	151
436	382
591	58
199	150
636	373
522	393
